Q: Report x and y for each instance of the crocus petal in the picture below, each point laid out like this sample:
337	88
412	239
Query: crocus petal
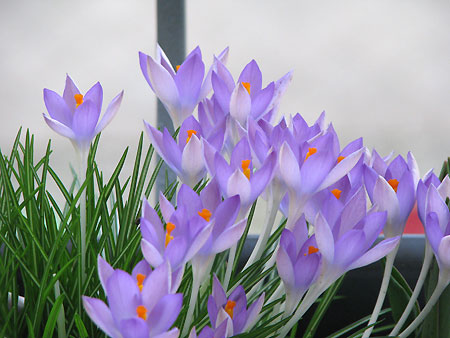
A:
165	89
134	328
221	92
100	315
218	292
59	127
406	194
324	238
199	241
174	333
191	162
261	178
165	206
209	153
95	95
57	107
348	248
241	152
444	187
341	169
189	79
252	74
110	112
240	104
151	254
123	295
144	68
229	237
376	253
305	271
206	86
238	184
171	152
84	121
210	196
104	271
261	101
436	204
433	231
70	90
285	267
444	252
165	313
253	312
289	168
156	285
386	199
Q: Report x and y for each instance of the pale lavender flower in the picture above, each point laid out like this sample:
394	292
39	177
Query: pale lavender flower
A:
180	89
423	186
186	157
345	238
438	235
238	177
76	116
232	310
140	306
298	262
311	167
178	242
394	191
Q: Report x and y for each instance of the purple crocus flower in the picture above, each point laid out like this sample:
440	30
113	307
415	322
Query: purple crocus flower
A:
238	177
178	242
186	157
438	235
423	186
312	167
298	262
76	116
220	214
393	191
180	89
232	310
345	239
140	306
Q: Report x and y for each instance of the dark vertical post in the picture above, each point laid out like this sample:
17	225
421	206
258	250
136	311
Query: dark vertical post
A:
172	39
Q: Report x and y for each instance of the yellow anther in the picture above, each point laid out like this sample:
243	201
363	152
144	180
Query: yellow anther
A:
340	158
205	214
169	228
246	86
310	152
190	132
245	168
78	99
393	183
336	193
141	311
311	250
177	67
229	307
140	280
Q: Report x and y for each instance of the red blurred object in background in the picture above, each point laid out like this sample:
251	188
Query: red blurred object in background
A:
413	224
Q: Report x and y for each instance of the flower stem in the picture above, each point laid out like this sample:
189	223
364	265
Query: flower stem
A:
192	302
272	210
440	287
82	177
423	273
383	290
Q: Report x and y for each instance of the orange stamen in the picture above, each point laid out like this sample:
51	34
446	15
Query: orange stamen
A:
190	132
246	86
141	311
78	99
311	250
336	193
177	67
169	228
340	158
245	168
205	214
140	280
393	183
311	151
229	308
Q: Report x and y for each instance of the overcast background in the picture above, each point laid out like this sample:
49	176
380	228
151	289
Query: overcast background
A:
380	69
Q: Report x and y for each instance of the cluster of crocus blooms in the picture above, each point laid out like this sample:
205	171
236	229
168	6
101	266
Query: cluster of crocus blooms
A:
337	200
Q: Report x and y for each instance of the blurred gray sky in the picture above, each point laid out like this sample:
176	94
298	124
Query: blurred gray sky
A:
380	69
